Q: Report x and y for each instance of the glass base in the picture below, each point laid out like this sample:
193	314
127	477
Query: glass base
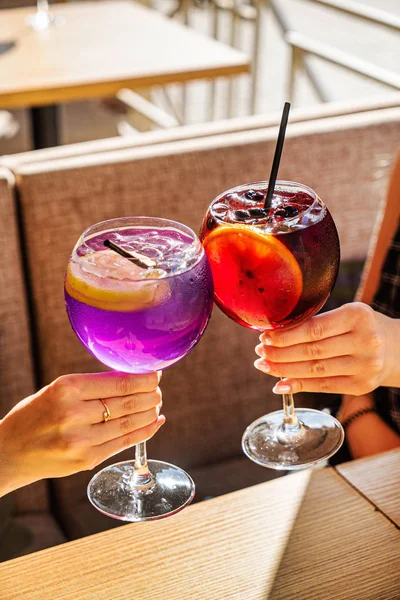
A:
113	492
42	20
269	444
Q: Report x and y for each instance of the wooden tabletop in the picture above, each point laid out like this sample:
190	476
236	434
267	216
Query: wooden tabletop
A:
304	536
102	47
377	478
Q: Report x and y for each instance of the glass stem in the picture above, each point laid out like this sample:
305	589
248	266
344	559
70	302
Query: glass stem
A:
290	420
141	475
42	6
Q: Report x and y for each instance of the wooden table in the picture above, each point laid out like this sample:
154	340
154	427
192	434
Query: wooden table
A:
306	536
102	46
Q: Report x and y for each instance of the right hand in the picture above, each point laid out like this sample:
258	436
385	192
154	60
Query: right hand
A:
60	429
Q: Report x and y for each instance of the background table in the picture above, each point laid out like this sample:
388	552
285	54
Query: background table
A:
305	536
101	48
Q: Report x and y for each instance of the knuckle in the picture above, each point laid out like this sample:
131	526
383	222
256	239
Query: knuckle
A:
324	386
312	351
125	385
376	364
130	405
65	386
316	330
126	424
128	440
375	342
363	313
317	367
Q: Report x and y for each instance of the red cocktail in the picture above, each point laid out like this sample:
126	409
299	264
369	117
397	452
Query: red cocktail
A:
273	268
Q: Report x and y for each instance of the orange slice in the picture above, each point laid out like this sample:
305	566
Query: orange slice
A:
108	281
257	280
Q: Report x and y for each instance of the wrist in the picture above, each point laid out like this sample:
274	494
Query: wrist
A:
391	328
353	404
8	478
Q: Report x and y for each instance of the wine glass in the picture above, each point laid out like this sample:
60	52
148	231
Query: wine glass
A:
43	18
273	268
138	294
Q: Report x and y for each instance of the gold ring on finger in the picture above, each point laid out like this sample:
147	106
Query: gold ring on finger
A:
106	413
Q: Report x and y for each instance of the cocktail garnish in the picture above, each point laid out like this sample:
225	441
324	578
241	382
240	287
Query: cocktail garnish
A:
107	280
255	275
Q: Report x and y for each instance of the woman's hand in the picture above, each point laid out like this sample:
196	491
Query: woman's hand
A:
350	350
61	429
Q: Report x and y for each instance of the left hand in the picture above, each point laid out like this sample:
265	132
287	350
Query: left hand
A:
349	350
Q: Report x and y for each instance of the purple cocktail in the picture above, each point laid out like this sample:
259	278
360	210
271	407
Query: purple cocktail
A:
139	312
139	320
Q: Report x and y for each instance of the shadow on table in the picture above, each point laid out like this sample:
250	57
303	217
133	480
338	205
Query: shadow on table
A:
338	547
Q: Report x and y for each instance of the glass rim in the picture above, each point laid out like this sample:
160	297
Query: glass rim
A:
107	225
264	183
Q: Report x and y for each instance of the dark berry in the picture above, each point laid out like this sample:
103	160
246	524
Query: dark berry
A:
286	211
291	211
258	213
242	215
211	223
254	195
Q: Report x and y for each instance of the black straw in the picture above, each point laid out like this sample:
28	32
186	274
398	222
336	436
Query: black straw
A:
134	259
277	156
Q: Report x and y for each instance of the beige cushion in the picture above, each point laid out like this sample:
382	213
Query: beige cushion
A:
214	392
16	369
199	130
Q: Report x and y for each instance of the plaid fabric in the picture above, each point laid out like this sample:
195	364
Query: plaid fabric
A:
387	301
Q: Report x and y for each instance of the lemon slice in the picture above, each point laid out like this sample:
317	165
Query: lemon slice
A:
106	280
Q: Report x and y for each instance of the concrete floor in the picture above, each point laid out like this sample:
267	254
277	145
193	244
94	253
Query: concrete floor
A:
376	44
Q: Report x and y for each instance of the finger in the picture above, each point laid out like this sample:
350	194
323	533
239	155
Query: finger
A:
128	440
309	369
341	345
325	385
335	322
115	428
107	385
121	405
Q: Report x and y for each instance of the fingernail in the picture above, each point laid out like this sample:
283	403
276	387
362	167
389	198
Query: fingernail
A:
263	366
160	421
266	340
281	389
